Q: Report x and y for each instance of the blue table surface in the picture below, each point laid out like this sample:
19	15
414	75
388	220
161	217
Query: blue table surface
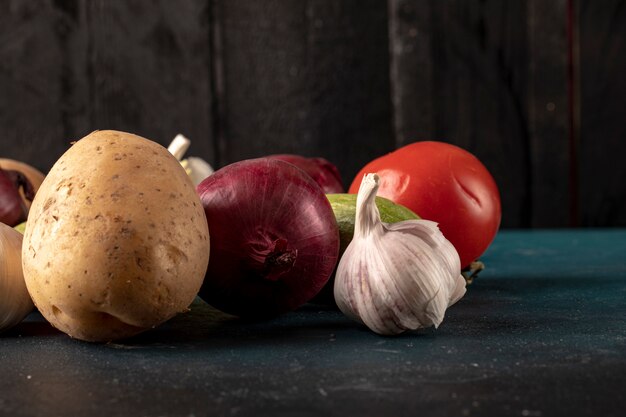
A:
541	332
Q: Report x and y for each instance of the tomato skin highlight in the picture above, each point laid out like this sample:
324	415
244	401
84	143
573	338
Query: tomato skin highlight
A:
446	184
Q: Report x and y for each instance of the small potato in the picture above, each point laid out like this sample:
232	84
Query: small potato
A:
116	241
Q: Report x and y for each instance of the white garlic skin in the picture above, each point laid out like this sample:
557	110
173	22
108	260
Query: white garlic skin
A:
396	277
197	168
15	302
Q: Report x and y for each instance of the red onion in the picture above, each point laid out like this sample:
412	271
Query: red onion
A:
274	238
322	171
13	211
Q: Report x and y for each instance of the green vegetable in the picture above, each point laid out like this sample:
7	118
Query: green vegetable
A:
344	207
21	227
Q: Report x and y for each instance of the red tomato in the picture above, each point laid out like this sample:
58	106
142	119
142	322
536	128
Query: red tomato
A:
446	184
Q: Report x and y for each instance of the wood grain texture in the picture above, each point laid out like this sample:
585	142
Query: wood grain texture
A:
411	35
548	120
602	59
149	65
306	77
460	75
70	67
347	80
43	105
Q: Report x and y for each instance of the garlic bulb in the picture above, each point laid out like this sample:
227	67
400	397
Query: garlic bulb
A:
396	277
15	302
197	168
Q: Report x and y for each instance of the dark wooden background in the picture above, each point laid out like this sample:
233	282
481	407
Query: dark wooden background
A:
534	88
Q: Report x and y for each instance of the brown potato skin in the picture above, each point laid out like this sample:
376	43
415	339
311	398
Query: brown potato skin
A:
116	241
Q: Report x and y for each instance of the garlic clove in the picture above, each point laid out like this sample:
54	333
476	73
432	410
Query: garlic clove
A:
396	277
429	232
179	146
197	168
15	302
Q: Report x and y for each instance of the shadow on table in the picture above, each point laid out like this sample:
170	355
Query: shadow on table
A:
205	326
492	307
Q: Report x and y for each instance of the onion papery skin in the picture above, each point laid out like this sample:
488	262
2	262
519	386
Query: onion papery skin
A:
12	209
323	172
274	238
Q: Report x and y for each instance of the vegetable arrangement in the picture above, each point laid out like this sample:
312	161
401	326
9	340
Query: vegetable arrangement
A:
446	184
119	239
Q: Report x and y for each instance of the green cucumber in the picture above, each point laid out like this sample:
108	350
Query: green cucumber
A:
21	227
344	207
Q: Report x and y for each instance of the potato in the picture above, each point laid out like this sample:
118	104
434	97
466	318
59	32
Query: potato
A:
116	241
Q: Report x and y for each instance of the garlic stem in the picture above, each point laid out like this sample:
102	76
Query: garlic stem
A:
367	214
197	168
179	146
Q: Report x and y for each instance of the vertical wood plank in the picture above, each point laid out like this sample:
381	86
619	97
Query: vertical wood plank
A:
43	86
460	75
306	77
150	67
602	58
549	118
411	45
313	77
